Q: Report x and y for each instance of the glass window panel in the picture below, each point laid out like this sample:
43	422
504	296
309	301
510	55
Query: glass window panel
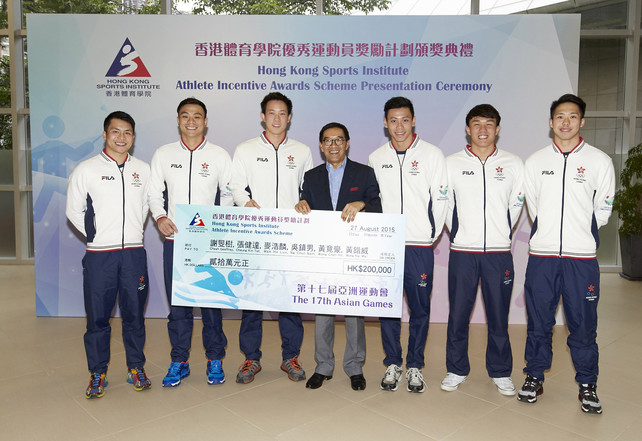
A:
27	128
6	151
609	16
5	78
595	15
26	71
7	225
601	73
26	196
603	133
638	131
606	134
640	81
3	14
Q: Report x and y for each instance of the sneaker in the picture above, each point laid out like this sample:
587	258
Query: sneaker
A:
214	372
176	372
391	378
505	386
452	381
589	399
415	381
293	368
248	370
139	379
531	389
97	385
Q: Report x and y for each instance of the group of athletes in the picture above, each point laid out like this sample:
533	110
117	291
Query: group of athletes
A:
478	193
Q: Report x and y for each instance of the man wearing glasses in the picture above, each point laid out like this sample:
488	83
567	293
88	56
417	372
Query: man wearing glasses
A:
349	187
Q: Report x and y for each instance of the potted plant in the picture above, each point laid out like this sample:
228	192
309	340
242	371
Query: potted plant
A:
628	204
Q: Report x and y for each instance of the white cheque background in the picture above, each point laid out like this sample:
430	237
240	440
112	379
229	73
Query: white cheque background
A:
280	260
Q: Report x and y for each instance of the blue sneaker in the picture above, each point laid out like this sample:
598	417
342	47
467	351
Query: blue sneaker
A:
214	372
176	372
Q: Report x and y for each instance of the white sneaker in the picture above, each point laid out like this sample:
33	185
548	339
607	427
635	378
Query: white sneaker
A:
415	381
505	386
452	382
391	378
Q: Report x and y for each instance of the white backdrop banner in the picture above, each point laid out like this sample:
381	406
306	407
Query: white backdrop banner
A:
334	68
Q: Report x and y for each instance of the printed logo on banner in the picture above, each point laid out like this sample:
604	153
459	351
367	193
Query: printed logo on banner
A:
127	63
127	75
197	221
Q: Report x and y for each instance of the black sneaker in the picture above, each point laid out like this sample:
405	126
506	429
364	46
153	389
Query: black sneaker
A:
589	399
532	388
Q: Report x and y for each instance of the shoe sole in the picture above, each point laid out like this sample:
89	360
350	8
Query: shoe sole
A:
251	379
449	388
94	395
416	389
528	398
508	393
389	387
591	410
169	384
216	381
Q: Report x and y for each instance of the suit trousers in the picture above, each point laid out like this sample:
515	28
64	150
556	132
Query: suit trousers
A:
355	352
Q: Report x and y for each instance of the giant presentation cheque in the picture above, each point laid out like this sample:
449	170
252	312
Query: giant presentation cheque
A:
280	260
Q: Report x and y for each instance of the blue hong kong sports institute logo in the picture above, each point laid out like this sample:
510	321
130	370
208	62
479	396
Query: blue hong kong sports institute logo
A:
127	63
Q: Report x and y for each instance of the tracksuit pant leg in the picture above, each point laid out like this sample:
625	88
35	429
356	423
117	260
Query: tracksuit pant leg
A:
180	323
133	290
463	280
181	320
497	274
106	276
214	339
291	327
580	297
418	278
251	334
577	281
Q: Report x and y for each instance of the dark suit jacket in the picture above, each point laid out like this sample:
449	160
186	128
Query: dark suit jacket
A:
358	184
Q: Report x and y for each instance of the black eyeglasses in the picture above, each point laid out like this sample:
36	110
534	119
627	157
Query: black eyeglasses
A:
337	141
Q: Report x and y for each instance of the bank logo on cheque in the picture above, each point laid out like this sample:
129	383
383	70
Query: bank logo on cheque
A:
127	63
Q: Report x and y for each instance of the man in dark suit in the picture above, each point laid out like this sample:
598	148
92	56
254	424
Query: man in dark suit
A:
347	186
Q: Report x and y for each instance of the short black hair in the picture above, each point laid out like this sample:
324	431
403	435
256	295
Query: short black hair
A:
334	125
398	102
119	114
276	96
483	110
192	100
569	98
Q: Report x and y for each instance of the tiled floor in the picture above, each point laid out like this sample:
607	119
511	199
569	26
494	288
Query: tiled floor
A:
43	377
